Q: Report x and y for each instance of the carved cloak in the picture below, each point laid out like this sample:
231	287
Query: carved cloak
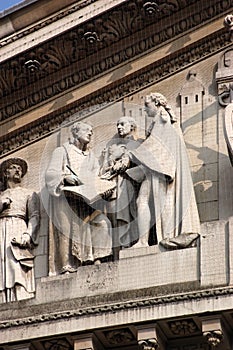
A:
172	199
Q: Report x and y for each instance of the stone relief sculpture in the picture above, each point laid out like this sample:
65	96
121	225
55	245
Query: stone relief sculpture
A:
121	206
224	79
82	233
19	223
166	196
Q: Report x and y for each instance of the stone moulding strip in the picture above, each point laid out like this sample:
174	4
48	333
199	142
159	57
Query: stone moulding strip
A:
102	309
43	24
94	102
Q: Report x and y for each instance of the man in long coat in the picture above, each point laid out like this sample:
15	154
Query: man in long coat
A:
82	233
19	223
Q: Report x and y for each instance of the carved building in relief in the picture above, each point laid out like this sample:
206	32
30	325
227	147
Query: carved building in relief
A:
95	62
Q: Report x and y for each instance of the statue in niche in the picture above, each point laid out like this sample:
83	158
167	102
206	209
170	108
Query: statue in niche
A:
121	206
166	197
82	233
19	223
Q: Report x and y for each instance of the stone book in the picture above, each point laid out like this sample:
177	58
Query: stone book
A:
91	192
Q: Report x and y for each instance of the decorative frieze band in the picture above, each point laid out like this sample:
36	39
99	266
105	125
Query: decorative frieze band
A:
81	42
108	308
160	70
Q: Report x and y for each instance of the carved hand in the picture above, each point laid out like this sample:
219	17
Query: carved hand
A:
25	240
72	180
6	202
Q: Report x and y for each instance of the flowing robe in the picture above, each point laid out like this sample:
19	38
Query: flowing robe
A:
169	182
17	263
80	231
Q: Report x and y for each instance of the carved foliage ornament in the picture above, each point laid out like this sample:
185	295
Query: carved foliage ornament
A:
183	327
119	336
57	54
214	338
94	102
228	22
103	31
56	344
148	344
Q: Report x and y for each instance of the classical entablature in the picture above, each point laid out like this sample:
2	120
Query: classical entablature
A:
67	62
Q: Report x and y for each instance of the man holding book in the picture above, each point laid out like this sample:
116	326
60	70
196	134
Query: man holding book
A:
82	233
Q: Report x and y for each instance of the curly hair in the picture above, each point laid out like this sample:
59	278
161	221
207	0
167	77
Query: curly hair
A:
77	126
160	100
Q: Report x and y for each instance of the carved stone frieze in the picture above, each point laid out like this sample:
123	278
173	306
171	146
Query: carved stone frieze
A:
110	28
114	307
119	336
44	23
183	327
93	102
56	344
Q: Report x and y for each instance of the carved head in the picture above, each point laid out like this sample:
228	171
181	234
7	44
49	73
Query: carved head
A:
126	126
82	132
157	98
13	169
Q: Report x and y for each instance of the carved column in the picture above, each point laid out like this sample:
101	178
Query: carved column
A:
147	338
215	333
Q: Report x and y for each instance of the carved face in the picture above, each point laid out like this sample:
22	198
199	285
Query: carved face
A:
14	173
150	107
124	127
83	134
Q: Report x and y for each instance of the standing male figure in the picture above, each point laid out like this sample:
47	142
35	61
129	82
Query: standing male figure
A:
121	206
166	197
19	223
82	234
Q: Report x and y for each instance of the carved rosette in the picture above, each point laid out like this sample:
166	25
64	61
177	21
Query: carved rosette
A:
148	344
151	8
183	328
214	338
119	336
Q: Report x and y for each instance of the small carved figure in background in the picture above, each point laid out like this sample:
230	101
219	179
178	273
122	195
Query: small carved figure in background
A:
19	223
82	233
166	197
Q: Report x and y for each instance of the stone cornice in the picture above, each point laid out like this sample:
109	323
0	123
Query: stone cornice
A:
119	306
54	25
151	74
74	47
